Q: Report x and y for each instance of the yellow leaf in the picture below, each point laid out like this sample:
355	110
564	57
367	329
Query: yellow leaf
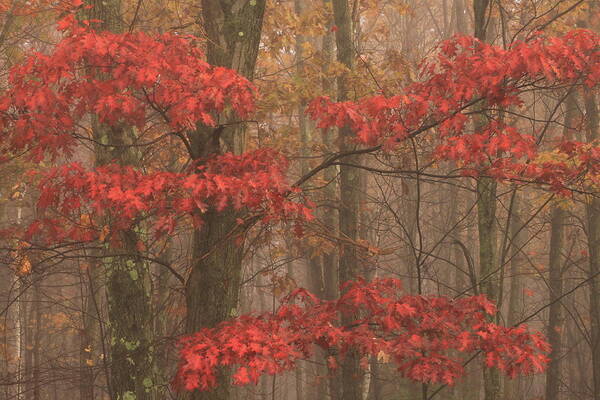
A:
85	219
24	266
383	357
104	233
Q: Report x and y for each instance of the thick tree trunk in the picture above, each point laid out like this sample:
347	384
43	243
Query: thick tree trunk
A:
330	217
592	209
458	12
19	336
129	313
233	29
309	383
6	347
27	346
127	291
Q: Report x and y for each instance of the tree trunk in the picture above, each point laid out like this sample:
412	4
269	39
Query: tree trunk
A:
127	291
352	375
329	260
555	323
162	319
89	334
233	29
330	217
27	347
481	10
6	345
486	213
129	313
515	302
593	237
19	336
375	388
555	283
36	328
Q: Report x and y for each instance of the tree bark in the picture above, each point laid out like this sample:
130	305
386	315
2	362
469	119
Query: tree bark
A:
329	260
593	237
459	10
486	216
89	332
233	29
515	302
127	291
555	282
350	183
129	305
36	328
486	213
481	9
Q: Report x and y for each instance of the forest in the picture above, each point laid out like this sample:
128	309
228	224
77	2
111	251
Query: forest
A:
300	199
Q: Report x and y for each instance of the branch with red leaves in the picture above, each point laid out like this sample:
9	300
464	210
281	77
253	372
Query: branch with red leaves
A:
156	83
426	337
254	181
123	79
465	72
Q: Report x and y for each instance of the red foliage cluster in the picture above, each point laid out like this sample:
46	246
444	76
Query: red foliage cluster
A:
426	337
125	79
494	141
255	180
467	72
157	83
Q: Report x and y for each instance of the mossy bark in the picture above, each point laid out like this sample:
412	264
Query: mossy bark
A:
127	288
